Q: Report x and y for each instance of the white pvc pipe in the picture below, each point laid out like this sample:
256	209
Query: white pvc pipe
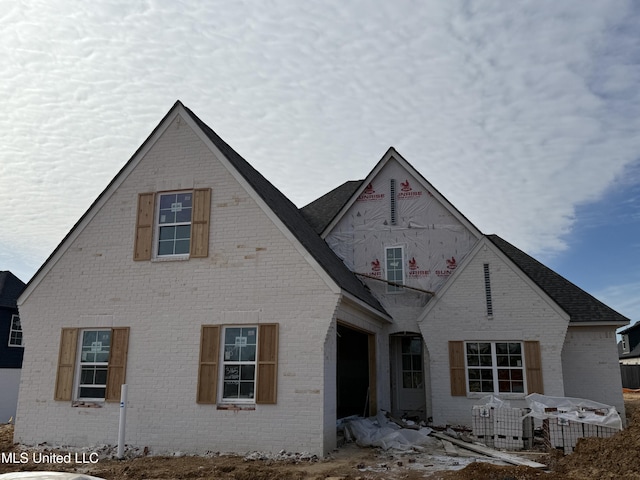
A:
123	419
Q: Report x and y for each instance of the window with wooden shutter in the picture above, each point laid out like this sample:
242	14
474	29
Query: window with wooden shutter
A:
267	363
179	224
208	365
457	369
66	364
246	367
144	227
101	370
117	368
533	361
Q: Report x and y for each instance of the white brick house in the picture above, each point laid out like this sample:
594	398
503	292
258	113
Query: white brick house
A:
236	327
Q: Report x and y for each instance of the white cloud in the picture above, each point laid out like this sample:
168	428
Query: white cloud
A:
517	113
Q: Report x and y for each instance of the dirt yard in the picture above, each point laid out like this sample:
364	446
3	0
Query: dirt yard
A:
594	459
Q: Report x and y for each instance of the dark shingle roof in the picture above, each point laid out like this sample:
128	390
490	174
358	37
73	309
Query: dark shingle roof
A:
581	306
289	214
320	212
10	289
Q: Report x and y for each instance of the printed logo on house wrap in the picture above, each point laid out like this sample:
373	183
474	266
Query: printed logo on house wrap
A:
369	194
451	265
48	458
415	271
376	270
406	191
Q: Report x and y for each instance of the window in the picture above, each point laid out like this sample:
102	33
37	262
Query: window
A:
395	268
239	364
625	344
173	225
91	364
240	359
15	332
411	351
173	232
495	367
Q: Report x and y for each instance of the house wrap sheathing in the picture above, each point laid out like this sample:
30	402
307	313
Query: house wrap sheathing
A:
396	209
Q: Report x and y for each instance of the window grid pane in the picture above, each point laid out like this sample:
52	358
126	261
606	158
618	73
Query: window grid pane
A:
395	268
411	353
174	220
94	360
15	332
239	359
495	367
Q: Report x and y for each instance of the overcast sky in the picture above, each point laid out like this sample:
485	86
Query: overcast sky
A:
525	115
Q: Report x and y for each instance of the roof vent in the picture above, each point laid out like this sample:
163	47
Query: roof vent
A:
392	187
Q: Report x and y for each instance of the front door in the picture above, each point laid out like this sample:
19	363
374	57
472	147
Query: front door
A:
408	376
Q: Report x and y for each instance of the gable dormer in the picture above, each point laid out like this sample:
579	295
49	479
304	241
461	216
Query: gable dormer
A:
399	233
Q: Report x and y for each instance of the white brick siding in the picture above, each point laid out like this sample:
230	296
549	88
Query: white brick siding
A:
590	357
520	312
252	274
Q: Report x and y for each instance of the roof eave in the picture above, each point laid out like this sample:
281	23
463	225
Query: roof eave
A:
599	323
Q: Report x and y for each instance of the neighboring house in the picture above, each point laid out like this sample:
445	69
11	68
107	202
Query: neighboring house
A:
629	356
11	344
240	322
629	345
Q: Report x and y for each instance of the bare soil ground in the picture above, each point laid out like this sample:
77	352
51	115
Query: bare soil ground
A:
593	459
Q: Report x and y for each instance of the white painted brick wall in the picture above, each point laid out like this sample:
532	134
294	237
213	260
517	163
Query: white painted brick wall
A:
590	357
520	313
252	267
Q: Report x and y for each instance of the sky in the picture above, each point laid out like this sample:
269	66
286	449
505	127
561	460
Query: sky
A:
525	115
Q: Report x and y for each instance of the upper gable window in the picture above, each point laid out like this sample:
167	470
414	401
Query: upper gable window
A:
174	224
395	268
15	332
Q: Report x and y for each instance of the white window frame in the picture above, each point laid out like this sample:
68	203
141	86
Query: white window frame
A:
225	362
494	367
415	371
158	225
80	363
15	333
394	288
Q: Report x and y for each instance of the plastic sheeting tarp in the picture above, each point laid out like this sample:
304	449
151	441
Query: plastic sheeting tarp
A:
573	409
380	432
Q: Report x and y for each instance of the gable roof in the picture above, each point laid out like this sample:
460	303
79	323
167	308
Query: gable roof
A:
10	289
391	154
289	214
578	304
280	205
321	211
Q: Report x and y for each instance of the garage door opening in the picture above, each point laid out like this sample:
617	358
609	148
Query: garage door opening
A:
356	389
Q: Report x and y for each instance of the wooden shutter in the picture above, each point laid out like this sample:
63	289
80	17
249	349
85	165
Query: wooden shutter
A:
208	368
66	364
457	369
117	368
267	379
200	222
533	361
144	227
